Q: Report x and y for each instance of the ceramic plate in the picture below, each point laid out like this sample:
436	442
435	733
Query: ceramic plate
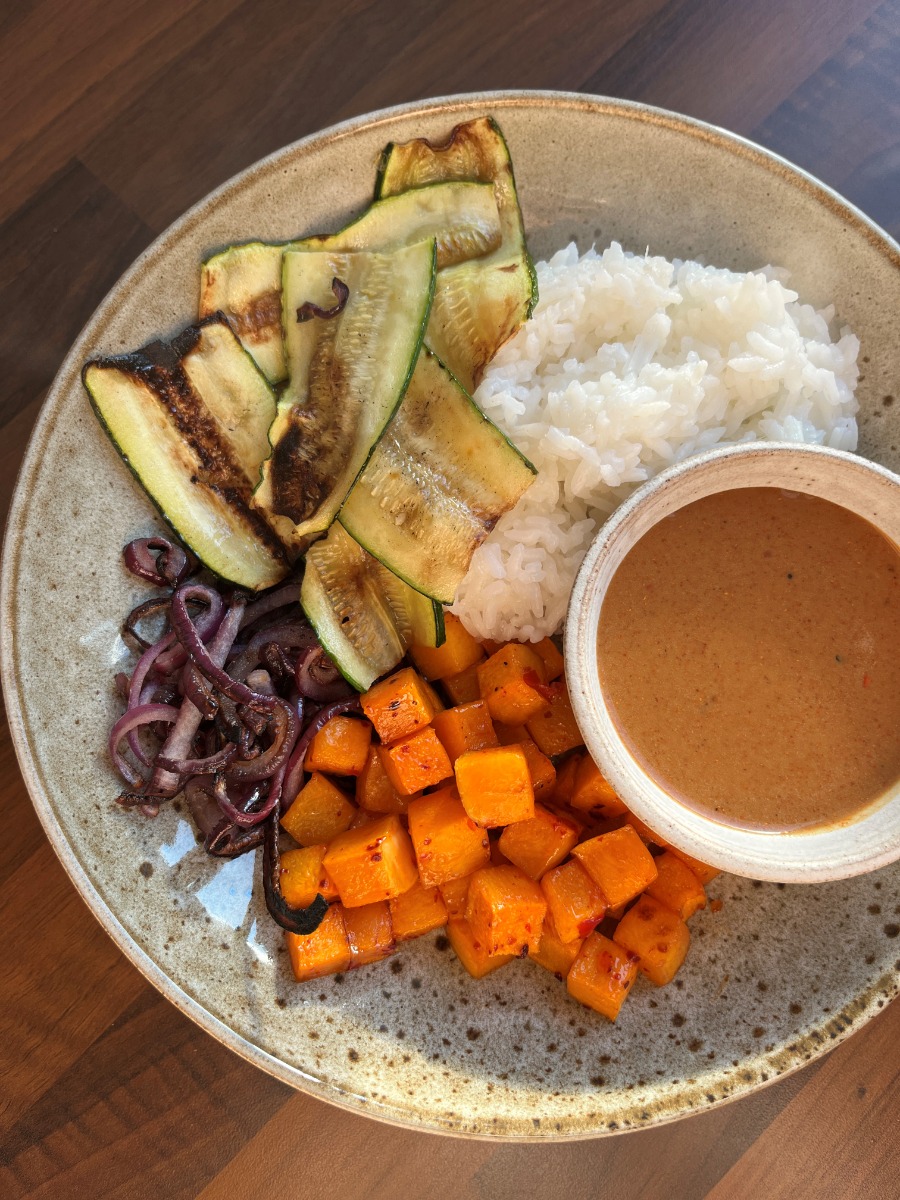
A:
415	1041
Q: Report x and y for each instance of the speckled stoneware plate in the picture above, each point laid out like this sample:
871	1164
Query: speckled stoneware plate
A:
416	1041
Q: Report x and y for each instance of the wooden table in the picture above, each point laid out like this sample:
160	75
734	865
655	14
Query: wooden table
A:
116	117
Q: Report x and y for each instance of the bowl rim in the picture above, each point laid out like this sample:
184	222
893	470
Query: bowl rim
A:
771	1066
862	843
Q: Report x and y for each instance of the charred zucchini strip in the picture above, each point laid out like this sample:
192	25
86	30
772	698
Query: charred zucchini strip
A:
363	615
349	365
190	418
244	281
478	305
436	484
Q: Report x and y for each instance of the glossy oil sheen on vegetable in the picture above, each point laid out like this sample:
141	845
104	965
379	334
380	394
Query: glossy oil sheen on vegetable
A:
749	653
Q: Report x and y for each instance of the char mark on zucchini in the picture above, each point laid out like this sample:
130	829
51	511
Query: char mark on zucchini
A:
259	319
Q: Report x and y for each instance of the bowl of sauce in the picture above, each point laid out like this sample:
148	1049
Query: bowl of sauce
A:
733	657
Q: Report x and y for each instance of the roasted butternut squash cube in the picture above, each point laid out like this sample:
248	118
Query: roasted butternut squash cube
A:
601	976
370	933
447	842
677	886
540	768
658	937
566	774
340	747
416	762
705	873
551	657
459	651
470	952
418	911
592	793
505	910
374	862
455	894
303	877
374	791
320	812
510	735
553	725
463	688
619	863
399	705
465	727
498	858
512	683
574	901
495	785
539	843
325	951
553	954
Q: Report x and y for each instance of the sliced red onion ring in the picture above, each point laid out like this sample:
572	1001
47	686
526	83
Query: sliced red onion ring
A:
193	643
280	598
140	612
286	728
199	692
143	714
198	766
168	569
294	920
318	678
206	622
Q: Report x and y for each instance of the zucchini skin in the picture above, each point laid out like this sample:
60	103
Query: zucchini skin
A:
158	382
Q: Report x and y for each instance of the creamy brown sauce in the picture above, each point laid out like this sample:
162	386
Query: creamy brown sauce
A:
749	653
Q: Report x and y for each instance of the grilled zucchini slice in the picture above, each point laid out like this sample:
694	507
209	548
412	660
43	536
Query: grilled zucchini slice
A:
479	304
437	483
190	417
350	365
364	616
244	281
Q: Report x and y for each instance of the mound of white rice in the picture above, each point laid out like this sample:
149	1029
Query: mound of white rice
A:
629	364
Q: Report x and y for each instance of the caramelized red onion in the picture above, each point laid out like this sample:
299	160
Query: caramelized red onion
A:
169	568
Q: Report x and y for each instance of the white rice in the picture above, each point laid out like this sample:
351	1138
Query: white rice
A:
629	364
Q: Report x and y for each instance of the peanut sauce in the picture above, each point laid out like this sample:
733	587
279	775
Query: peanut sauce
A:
749	654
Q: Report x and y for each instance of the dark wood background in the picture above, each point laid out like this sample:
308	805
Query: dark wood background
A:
115	117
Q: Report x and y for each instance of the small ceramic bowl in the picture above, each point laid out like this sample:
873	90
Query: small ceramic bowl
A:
871	838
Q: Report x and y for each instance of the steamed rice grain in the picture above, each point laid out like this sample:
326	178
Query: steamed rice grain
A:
631	363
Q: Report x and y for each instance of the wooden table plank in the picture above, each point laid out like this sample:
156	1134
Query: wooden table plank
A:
118	117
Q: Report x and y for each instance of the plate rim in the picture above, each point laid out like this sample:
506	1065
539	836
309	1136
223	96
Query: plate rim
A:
824	1036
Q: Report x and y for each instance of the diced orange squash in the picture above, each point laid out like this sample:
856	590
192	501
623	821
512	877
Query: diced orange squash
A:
619	863
566	773
551	657
466	727
374	791
592	793
574	901
553	954
448	844
495	785
498	858
459	651
436	700
303	877
463	688
513	684
490	647
455	894
415	762
320	812
340	747
505	910
601	976
470	952
399	705
703	871
374	862
540	768
325	951
553	726
658	937
510	735
370	933
677	886
362	817
418	911
539	843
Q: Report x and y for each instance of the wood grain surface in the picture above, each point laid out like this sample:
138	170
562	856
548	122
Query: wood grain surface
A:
116	117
